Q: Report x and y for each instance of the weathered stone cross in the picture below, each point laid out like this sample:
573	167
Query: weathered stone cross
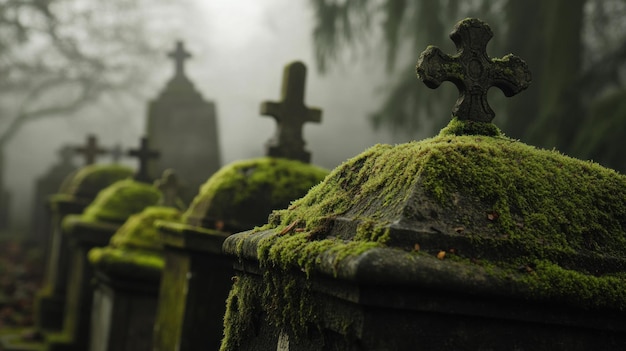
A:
168	184
91	150
144	154
179	55
472	70
290	114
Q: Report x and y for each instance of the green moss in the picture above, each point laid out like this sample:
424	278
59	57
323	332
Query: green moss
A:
512	200
136	247
120	200
140	231
128	262
468	127
241	195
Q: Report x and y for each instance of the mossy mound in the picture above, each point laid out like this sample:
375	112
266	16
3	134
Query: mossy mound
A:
553	224
136	246
241	195
120	200
87	182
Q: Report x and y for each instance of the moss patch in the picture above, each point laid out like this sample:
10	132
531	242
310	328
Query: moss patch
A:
120	200
136	247
140	232
241	195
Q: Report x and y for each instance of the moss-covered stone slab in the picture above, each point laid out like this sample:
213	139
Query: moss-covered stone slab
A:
127	275
241	195
455	218
120	200
135	250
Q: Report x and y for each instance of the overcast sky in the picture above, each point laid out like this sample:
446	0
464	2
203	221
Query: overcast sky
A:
239	50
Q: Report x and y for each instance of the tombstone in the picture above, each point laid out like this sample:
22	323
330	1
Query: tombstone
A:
239	196
47	185
467	240
144	154
127	277
91	150
184	127
94	228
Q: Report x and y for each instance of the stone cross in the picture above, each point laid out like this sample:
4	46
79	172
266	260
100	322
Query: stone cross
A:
91	150
144	154
179	55
169	186
472	70
290	114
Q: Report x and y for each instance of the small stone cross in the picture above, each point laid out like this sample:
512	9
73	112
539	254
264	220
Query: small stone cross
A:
290	114
169	186
91	150
179	55
144	154
472	70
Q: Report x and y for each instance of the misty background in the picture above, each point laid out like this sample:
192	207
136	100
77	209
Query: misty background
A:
239	49
74	67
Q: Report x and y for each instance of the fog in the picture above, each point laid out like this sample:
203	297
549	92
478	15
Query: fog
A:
239	50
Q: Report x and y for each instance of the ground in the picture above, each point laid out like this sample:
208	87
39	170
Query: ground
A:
21	272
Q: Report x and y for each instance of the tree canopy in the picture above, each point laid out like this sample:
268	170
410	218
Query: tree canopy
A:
58	56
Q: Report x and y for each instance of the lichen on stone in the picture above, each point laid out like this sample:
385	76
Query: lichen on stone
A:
241	195
120	200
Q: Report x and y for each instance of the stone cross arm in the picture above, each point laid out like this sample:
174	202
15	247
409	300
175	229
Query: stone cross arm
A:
473	71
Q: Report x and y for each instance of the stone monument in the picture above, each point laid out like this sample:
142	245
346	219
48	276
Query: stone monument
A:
91	150
184	127
197	276
94	228
467	240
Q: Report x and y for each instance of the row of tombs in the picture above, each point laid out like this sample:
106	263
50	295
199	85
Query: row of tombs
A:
468	240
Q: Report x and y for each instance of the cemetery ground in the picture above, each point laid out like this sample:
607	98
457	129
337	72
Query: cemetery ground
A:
21	272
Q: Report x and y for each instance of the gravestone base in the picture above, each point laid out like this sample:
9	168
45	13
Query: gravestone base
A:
194	288
49	309
366	305
82	236
123	312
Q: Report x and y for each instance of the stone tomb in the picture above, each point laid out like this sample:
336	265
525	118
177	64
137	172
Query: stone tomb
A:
239	196
467	240
78	190
184	127
94	228
127	277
